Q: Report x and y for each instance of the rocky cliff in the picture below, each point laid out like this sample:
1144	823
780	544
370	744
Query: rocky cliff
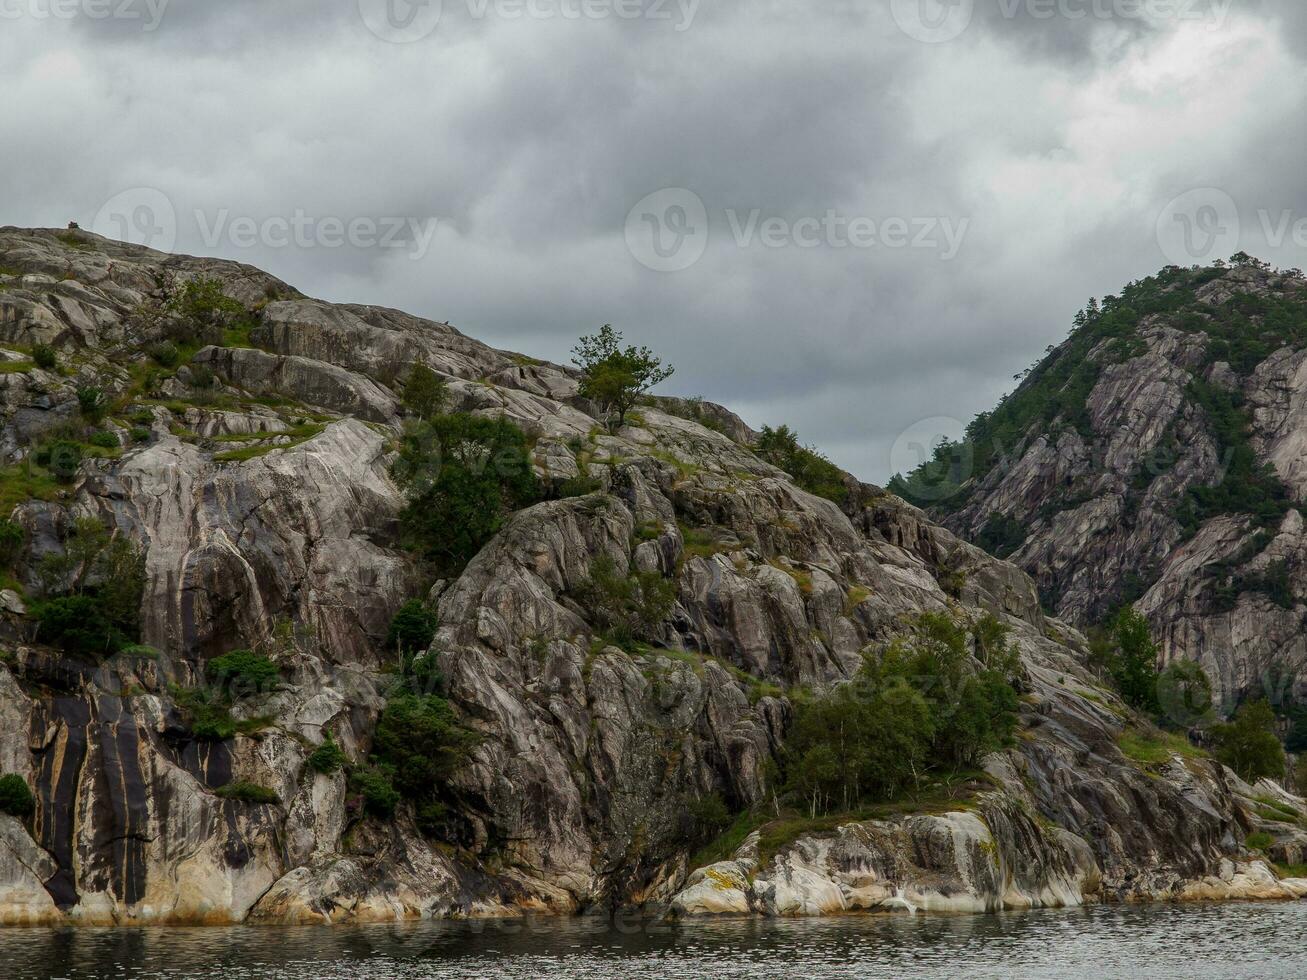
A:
254	476
1157	457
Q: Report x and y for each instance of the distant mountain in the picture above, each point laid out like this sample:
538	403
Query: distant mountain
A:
1158	456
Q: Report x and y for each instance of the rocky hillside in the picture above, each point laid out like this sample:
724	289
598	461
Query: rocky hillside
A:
1158	456
180	485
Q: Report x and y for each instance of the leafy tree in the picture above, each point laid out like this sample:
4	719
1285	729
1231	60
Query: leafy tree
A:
614	377
1249	745
63	457
425	392
205	311
927	701
1132	661
1184	694
463	475
412	629
375	786
810	469
629	609
16	797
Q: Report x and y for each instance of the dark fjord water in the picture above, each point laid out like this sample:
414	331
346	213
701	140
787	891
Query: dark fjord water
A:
1154	942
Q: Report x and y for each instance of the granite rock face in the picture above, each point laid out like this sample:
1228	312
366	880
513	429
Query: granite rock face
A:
256	478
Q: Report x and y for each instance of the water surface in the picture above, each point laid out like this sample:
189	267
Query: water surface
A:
1103	943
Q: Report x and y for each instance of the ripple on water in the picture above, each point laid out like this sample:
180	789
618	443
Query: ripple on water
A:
1228	942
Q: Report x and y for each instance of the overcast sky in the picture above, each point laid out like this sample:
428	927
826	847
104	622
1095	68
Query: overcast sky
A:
848	216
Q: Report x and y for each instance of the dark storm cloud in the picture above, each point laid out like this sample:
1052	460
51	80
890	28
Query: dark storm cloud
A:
1048	144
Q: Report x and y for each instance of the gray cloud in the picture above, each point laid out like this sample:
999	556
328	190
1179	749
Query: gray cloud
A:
1056	142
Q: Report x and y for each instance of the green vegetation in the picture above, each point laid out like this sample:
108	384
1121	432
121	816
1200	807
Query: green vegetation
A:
16	797
244	672
1259	840
1130	656
412	629
91	592
1154	747
417	746
1249	745
613	377
247	792
810	469
13	542
44	356
425	393
463	475
628	608
327	757
926	703
204	314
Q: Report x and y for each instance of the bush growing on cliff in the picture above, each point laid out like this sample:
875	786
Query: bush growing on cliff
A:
810	469
1249	745
327	757
615	377
628	609
425	393
926	702
16	797
91	592
243	672
412	629
1130	657
247	792
13	542
204	313
463	475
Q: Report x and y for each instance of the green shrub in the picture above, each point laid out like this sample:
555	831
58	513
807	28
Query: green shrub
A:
412	629
141	433
207	715
16	797
13	542
105	440
247	792
375	786
166	354
205	313
709	816
91	402
810	469
327	757
45	357
62	457
421	742
91	592
579	486
77	624
244	672
628	609
463	475
1249	745
1131	659
425	393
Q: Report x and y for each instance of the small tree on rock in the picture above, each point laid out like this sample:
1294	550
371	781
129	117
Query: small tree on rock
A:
614	377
